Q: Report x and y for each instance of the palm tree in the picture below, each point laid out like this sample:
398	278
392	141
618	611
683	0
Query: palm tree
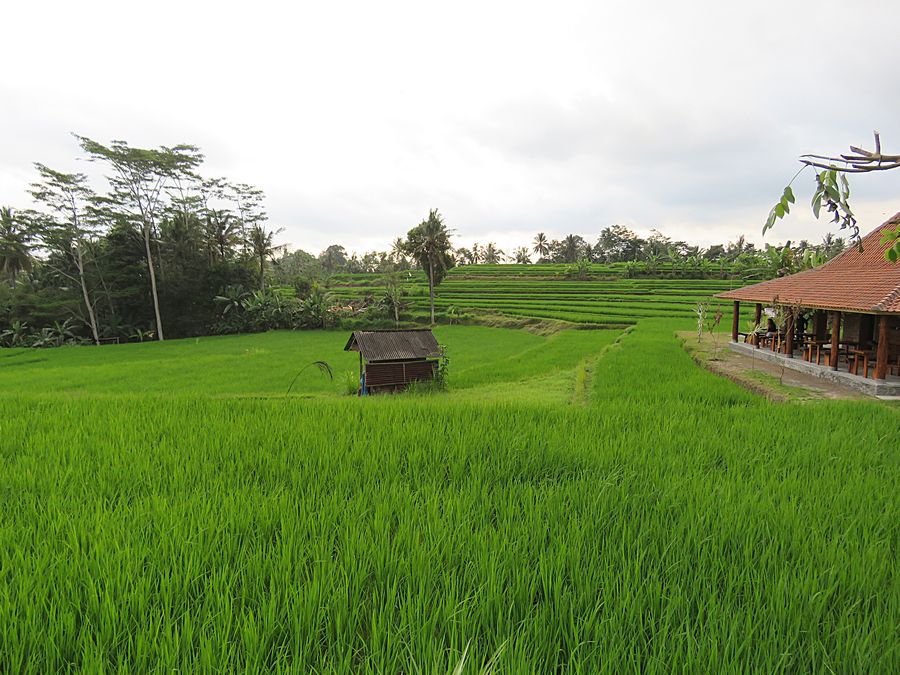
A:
429	244
541	245
398	253
15	245
492	254
262	245
571	246
463	256
223	234
521	256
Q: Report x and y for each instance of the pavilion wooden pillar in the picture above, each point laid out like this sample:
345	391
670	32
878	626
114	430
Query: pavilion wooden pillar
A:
820	324
881	356
789	334
835	339
757	317
735	321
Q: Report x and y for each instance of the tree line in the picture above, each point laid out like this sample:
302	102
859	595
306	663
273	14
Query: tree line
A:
158	250
146	254
617	244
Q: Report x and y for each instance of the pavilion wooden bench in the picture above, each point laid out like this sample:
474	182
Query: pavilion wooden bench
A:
854	357
891	368
815	347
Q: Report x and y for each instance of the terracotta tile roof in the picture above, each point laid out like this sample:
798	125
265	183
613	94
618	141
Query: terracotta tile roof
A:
853	281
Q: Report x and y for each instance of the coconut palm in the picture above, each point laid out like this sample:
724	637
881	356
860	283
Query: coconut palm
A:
541	245
429	244
572	246
15	245
521	255
398	253
262	245
463	256
492	254
223	234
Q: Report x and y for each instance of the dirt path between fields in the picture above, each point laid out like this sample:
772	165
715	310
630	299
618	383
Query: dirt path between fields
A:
764	378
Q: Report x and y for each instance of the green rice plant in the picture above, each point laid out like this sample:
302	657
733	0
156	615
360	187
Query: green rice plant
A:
351	382
268	364
166	507
647	530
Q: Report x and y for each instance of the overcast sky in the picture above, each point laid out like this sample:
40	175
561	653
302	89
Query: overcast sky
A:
511	118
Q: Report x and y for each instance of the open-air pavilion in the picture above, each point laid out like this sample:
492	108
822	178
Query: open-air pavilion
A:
840	320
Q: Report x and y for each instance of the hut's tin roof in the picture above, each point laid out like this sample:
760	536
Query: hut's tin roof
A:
393	345
855	281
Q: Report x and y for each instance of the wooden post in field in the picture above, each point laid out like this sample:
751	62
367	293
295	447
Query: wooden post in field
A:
735	320
835	339
757	317
789	334
881	356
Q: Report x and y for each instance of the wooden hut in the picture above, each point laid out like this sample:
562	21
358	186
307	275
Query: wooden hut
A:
389	360
852	301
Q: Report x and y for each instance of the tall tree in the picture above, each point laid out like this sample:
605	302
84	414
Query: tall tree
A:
463	256
262	246
616	244
138	189
521	255
572	248
222	233
70	198
492	254
429	244
393	295
541	245
333	258
398	253
15	245
250	211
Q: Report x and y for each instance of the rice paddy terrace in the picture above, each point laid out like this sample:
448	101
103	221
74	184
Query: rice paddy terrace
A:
586	501
606	298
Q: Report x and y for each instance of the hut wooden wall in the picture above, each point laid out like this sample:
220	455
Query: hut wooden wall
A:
398	373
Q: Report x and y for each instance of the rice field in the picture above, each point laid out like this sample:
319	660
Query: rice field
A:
265	364
585	502
611	302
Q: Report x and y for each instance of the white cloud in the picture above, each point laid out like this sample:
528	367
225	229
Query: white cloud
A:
511	117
